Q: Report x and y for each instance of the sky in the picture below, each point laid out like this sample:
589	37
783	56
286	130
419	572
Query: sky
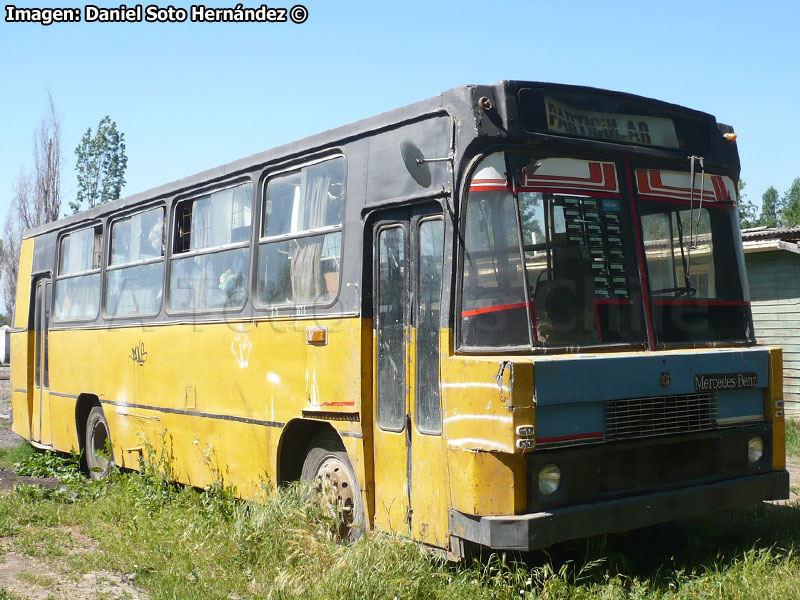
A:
191	96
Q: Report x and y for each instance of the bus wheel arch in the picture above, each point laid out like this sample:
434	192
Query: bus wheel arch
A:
294	445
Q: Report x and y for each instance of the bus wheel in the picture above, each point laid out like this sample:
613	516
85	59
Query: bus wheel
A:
328	468
98	445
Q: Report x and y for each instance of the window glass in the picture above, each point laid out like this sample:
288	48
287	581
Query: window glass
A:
46	333
300	267
80	251
208	281
671	255
304	200
303	270
139	237
218	219
78	284
695	273
78	298
37	328
214	277
493	302
546	268
428	410
134	290
390	335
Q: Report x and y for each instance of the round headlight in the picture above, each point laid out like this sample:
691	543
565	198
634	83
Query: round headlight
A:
755	449
549	479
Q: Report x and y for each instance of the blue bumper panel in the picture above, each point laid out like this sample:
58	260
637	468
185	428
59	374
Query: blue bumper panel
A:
600	378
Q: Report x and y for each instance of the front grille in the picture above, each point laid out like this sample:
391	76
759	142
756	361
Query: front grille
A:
659	415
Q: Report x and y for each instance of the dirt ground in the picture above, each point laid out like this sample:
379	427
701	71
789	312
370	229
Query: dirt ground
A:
26	576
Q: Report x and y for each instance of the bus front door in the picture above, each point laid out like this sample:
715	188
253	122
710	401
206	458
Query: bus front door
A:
41	432
410	466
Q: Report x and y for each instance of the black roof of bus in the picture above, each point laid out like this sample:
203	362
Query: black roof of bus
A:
445	101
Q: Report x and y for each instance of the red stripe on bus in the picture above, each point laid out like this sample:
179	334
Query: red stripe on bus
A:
576	436
681	201
590	192
602	176
338	404
489	188
650	183
499	307
701	302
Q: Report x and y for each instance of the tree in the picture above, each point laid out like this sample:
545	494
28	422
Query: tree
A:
747	210
770	208
12	238
790	212
101	164
36	198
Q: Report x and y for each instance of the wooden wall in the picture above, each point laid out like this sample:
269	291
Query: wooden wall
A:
774	278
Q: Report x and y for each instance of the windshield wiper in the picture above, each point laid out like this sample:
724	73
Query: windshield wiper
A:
685	260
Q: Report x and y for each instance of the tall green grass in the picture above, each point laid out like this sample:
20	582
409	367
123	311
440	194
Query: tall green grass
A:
793	437
182	543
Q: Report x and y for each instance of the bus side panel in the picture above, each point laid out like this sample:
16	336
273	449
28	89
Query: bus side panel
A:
23	303
214	397
21	399
22	346
482	403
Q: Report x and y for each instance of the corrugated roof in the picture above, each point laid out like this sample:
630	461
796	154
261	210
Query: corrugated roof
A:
771	233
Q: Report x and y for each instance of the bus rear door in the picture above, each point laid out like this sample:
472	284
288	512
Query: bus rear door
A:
41	432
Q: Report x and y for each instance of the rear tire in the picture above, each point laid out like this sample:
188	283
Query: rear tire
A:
327	463
99	456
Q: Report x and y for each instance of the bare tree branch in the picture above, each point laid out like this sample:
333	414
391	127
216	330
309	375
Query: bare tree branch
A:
36	199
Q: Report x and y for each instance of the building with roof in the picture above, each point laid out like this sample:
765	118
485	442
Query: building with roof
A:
772	257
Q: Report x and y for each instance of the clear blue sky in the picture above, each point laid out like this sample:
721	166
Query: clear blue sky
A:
192	96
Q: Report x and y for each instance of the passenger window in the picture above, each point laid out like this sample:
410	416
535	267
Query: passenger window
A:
136	265
299	255
78	279
213	234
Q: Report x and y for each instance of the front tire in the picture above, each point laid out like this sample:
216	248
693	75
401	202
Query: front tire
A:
99	456
327	464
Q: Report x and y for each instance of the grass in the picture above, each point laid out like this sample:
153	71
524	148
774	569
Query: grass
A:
793	437
183	543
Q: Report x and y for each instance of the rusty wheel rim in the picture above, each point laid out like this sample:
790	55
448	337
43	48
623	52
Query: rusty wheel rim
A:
333	477
99	443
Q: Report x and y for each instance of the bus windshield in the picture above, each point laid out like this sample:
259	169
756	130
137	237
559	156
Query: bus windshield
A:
550	260
694	272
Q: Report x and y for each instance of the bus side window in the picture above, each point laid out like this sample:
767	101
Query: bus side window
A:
136	265
78	275
213	231
299	255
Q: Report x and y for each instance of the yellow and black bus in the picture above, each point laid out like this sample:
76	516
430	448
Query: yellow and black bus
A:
508	315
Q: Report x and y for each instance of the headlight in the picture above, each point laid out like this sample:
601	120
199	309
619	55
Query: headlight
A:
549	479
755	449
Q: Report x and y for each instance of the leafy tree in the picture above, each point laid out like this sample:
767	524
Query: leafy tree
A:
790	213
770	208
101	164
748	217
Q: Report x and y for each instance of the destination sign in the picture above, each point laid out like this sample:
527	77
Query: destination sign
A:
613	127
724	381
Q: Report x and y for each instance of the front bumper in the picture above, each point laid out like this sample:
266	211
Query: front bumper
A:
542	529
